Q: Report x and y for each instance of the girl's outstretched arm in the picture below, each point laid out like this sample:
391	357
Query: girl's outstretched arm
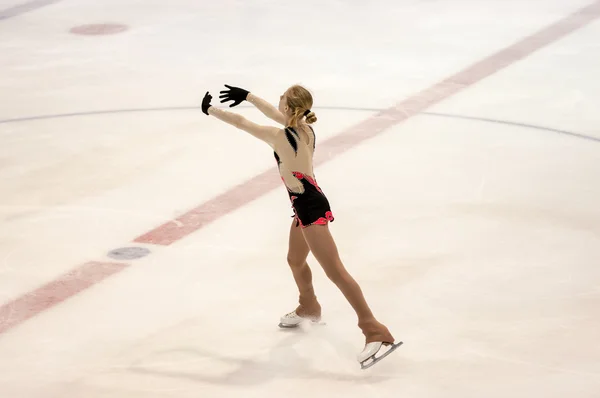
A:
238	95
264	133
267	109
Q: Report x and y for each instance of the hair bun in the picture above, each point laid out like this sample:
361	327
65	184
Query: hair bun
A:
311	117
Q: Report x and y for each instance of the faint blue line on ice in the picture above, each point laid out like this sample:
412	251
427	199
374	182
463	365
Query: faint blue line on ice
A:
517	124
338	108
20	9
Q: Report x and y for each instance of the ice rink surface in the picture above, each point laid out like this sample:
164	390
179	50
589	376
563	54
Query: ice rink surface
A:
458	142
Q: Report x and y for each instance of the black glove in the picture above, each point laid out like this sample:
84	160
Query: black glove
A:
235	94
206	102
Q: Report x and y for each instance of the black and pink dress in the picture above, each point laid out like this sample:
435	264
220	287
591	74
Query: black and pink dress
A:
294	150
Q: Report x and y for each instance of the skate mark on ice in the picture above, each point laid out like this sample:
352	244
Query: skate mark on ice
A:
283	362
594	376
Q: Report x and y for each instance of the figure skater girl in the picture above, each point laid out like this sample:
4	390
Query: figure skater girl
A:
294	144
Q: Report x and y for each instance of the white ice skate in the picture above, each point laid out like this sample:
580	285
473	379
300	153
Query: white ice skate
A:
292	320
368	357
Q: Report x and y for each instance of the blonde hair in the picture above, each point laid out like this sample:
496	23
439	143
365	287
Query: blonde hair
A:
300	100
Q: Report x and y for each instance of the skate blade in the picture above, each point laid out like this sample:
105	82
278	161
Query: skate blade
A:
287	326
366	364
296	326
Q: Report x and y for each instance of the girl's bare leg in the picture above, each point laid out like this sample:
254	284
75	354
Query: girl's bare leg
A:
323	247
297	254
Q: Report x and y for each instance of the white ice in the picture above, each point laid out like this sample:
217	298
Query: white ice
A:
477	243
